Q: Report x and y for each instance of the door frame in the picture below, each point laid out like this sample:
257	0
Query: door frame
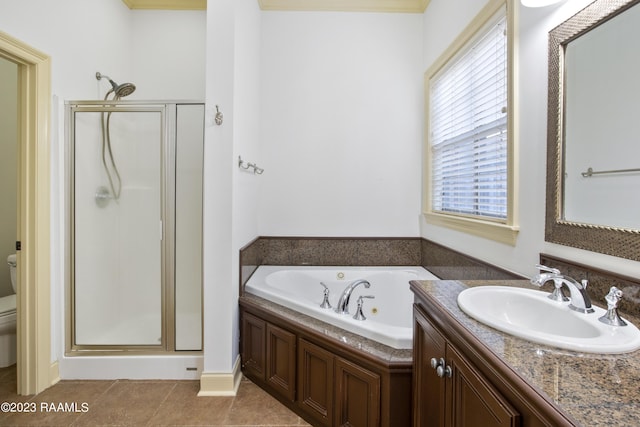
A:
34	367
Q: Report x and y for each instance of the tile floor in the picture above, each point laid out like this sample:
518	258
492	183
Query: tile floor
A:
141	403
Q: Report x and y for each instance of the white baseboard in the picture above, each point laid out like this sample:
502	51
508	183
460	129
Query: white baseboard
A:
221	384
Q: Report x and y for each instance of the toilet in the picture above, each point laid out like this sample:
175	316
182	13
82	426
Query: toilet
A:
8	320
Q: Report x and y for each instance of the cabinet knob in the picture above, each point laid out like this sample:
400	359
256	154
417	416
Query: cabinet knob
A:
437	363
444	371
434	363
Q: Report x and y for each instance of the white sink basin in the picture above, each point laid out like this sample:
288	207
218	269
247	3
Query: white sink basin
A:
529	314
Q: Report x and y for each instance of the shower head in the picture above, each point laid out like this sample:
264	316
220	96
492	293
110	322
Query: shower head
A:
120	91
124	89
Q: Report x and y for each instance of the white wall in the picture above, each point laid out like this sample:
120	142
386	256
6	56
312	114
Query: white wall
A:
81	37
168	54
341	123
230	208
443	20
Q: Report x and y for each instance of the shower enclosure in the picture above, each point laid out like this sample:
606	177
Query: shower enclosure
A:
135	226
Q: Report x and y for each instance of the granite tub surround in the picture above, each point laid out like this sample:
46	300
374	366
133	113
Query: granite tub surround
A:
449	264
590	389
359	344
365	251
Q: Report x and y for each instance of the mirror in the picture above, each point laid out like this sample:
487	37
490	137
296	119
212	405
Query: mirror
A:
593	160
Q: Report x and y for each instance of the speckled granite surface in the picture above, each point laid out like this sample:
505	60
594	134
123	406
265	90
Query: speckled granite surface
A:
373	348
593	389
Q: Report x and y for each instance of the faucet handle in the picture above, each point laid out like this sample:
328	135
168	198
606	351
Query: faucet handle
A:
557	294
359	314
611	317
325	300
541	267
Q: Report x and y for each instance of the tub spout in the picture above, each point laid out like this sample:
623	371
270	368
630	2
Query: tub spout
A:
343	302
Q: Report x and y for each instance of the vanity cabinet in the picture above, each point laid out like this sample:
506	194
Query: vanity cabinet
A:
318	379
458	381
448	390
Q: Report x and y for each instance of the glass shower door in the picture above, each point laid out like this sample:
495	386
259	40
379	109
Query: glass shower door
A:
117	226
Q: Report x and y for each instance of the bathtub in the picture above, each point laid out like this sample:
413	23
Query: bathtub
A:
389	315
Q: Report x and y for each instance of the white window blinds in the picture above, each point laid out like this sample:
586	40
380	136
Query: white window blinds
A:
468	129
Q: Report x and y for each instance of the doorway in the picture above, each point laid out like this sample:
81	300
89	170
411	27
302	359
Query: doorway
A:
34	368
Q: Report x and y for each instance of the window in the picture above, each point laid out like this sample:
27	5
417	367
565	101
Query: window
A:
469	139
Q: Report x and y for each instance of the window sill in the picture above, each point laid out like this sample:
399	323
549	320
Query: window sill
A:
502	233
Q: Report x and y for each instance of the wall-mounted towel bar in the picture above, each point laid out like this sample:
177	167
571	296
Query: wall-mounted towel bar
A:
246	166
591	172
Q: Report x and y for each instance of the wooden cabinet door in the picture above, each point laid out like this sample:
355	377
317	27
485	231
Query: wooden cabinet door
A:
315	382
253	346
429	390
475	401
281	361
357	395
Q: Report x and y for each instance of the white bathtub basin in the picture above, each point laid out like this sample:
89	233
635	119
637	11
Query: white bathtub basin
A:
389	315
529	314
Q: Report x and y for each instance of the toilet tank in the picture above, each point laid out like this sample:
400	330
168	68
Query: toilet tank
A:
11	260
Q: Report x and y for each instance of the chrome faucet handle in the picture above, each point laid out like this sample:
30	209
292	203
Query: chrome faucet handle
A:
611	317
359	314
541	268
557	294
325	299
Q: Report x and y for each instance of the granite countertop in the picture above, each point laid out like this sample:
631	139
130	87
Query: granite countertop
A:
592	389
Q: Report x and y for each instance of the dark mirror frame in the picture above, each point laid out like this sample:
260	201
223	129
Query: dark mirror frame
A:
624	243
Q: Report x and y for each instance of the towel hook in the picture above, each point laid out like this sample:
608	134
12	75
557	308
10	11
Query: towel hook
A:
219	117
246	166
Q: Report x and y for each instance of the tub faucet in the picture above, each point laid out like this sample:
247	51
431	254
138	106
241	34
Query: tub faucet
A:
580	300
343	302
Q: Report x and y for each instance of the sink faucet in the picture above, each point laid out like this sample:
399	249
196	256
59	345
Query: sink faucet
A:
580	300
343	302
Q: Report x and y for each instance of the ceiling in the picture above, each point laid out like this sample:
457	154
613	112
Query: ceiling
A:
405	6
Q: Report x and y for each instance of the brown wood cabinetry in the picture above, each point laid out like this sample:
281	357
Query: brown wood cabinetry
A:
448	391
315	382
281	361
358	397
254	349
334	391
323	383
428	388
458	381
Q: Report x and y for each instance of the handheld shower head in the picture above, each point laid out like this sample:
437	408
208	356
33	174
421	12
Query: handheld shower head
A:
120	91
124	89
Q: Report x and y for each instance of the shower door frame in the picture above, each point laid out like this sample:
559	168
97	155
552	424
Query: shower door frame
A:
167	216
